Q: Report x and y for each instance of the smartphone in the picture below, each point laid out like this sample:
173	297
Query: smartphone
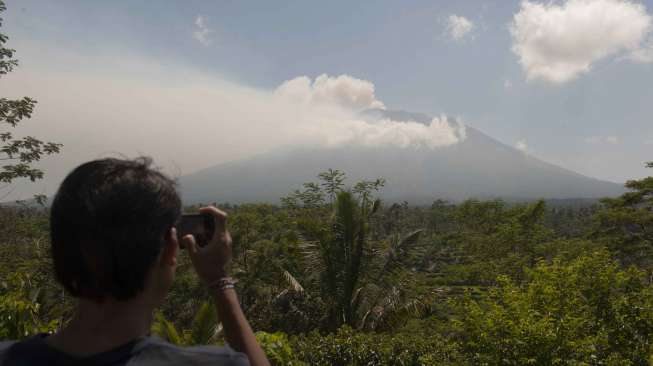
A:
200	226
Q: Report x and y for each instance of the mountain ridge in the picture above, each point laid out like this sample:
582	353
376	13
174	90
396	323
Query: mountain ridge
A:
478	166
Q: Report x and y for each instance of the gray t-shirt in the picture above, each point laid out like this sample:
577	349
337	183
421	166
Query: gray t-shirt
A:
140	352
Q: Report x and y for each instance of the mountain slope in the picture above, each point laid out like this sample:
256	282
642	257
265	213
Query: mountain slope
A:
478	166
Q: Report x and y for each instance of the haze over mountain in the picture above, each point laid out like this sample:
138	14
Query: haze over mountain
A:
475	166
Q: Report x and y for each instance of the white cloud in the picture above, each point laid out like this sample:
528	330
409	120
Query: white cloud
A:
612	140
458	27
643	54
557	42
325	112
521	146
594	140
404	134
343	91
188	120
202	32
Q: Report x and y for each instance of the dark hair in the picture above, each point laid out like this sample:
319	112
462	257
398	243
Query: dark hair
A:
107	225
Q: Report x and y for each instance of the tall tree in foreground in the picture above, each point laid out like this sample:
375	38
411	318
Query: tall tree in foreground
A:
626	223
360	279
17	154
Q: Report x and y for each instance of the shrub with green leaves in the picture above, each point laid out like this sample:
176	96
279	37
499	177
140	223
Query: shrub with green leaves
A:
277	348
586	311
20	315
348	347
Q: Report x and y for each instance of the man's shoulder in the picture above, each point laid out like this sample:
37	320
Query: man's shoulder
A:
161	352
4	346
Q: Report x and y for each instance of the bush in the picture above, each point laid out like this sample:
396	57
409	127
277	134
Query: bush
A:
20	315
277	348
347	347
587	311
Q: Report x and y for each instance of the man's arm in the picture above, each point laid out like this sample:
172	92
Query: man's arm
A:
236	328
211	263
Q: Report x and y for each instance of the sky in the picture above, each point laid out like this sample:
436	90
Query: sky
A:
199	82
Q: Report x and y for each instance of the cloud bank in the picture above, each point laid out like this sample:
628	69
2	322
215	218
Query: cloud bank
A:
557	42
458	27
521	146
202	32
610	140
342	91
642	55
188	121
327	109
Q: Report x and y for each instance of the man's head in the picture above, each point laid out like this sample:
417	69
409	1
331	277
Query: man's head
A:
111	230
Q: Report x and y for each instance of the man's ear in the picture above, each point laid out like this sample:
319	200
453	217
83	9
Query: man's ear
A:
169	253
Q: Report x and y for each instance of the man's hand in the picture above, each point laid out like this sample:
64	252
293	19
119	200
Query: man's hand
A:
212	260
211	263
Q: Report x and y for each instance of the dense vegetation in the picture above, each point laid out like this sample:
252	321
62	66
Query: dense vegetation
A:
334	276
18	154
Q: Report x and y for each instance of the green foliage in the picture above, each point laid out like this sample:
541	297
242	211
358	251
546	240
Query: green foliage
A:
332	182
587	311
25	256
359	280
277	348
626	223
479	282
347	347
205	328
311	196
166	330
18	153
19	309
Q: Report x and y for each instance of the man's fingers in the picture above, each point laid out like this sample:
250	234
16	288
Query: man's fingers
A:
220	218
189	242
173	236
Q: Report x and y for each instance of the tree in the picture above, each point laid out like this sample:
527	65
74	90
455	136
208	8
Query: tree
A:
360	280
332	182
18	153
587	311
626	223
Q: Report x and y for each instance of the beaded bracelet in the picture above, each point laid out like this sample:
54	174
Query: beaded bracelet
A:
222	284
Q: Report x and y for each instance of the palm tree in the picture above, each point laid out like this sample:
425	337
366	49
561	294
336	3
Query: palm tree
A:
360	280
206	328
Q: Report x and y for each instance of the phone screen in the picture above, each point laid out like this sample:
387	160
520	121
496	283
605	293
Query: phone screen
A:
200	226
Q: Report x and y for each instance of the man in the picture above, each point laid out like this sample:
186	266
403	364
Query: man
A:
114	247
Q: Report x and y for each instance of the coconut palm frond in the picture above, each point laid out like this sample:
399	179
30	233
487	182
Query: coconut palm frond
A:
281	294
314	260
312	253
410	239
251	252
398	311
392	310
163	328
355	300
375	206
216	333
395	253
204	324
292	281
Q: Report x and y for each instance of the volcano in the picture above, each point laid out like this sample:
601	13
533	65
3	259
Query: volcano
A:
478	166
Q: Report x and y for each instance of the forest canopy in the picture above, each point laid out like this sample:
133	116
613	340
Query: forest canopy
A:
335	276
